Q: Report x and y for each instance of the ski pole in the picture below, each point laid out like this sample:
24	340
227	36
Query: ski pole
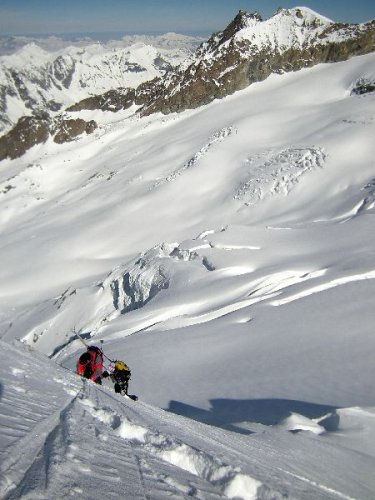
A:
87	346
80	338
109	359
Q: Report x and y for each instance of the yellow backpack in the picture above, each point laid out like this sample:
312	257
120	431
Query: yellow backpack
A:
120	365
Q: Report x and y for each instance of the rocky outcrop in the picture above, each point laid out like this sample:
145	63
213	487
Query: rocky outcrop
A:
28	132
363	86
68	130
114	100
32	130
62	70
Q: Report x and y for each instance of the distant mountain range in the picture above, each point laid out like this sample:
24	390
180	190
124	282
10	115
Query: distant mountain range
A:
158	80
34	79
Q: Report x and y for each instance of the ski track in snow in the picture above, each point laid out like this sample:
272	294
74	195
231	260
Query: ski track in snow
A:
336	493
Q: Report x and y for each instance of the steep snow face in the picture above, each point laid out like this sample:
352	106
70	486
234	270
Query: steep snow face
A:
33	79
69	438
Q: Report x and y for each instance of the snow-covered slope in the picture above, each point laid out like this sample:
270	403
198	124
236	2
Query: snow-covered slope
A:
63	436
226	254
34	79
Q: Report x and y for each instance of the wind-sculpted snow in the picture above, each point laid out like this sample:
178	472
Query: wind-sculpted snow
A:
271	174
128	287
159	289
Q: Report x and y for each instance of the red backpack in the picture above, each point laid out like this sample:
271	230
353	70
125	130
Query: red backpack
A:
90	364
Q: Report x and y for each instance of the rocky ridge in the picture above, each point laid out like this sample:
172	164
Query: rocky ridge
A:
250	49
32	130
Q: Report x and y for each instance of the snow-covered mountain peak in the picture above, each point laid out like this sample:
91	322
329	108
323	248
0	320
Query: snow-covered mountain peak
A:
26	56
287	28
285	23
305	16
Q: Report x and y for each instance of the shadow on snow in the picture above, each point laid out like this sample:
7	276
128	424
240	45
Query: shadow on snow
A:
226	413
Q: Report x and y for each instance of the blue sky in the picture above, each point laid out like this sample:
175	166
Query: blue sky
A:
141	16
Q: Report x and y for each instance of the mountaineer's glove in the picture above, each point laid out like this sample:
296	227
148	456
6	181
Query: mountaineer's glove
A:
105	374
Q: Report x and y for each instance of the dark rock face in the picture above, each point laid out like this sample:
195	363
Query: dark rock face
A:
114	100
32	130
22	90
239	22
162	64
28	132
68	130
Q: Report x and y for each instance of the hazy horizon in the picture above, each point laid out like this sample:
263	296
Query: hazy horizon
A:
42	17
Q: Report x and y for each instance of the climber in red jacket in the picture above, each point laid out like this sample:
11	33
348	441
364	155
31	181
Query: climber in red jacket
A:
90	365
